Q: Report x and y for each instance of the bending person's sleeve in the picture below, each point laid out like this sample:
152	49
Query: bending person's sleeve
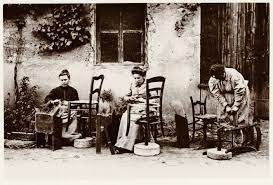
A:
239	87
215	91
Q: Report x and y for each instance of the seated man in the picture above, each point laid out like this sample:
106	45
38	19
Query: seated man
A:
58	99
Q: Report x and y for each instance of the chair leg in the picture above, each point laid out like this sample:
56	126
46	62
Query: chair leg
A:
98	135
40	139
219	135
108	141
232	139
56	137
259	137
152	133
141	133
155	133
56	141
80	125
249	136
146	135
162	128
53	140
193	131
205	132
37	140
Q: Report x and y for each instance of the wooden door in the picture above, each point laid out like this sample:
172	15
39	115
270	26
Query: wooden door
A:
237	35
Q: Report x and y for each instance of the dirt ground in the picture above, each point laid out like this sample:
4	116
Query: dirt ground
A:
74	165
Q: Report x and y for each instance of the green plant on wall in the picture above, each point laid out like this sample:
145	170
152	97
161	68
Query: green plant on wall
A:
18	115
69	28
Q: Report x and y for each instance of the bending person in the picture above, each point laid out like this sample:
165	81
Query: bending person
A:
229	87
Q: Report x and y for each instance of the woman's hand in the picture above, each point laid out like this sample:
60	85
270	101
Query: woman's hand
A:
130	98
133	98
141	100
65	102
57	101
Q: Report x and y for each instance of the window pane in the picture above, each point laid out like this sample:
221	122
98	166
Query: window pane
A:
132	47
109	17
132	17
109	47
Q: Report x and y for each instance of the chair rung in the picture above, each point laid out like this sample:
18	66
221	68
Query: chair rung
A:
154	97
151	123
154	123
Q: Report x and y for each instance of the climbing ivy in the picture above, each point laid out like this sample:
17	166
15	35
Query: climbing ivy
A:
188	11
69	28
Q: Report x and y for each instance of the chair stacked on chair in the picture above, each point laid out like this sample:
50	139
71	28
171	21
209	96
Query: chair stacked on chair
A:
87	109
201	118
94	100
89	118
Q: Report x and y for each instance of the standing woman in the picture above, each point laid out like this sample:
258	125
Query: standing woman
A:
229	87
136	94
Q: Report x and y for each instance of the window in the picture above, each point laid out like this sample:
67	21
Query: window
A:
120	33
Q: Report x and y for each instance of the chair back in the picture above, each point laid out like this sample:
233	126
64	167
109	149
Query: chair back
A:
154	97
95	91
198	107
154	91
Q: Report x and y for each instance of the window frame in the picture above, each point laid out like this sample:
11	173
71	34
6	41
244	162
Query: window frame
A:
120	33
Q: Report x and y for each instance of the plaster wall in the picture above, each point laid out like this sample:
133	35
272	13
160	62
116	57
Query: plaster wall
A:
176	58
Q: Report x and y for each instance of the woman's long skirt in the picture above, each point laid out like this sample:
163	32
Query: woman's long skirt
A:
127	140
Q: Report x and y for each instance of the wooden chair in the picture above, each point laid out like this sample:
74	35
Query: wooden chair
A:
201	117
51	125
153	107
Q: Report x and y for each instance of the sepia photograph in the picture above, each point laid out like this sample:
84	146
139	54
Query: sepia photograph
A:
140	92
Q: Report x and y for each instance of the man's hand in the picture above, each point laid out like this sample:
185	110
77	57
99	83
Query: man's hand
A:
234	109
228	109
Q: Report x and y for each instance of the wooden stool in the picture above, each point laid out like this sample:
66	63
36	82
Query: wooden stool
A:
253	145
